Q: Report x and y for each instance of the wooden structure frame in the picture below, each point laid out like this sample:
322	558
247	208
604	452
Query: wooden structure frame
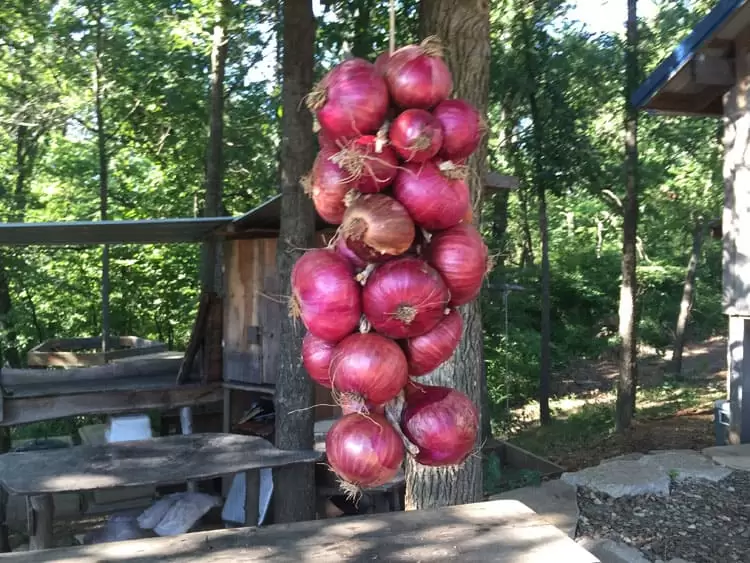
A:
66	352
708	74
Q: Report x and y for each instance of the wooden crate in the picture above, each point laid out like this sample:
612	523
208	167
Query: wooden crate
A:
86	352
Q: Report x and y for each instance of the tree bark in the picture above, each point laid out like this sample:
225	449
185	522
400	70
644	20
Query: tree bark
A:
688	296
628	377
210	273
463	26
527	253
294	496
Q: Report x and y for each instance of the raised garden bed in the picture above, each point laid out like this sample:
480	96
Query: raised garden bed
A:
87	352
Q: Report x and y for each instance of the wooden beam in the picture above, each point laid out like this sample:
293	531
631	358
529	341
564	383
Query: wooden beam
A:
196	338
501	530
22	410
496	181
706	104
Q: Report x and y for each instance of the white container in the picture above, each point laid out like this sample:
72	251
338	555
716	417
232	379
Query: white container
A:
127	428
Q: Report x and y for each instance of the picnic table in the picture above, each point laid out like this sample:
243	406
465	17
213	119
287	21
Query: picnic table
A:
161	461
502	530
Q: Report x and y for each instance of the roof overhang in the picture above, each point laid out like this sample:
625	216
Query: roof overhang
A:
695	77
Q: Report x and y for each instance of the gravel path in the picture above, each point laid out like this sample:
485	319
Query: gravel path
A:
701	522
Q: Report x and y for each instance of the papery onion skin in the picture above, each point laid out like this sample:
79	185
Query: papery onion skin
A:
354	100
369	366
373	171
316	357
404	298
427	352
351	404
433	200
462	128
364	451
461	257
346	252
325	142
416	79
328	185
376	228
326	294
442	422
416	135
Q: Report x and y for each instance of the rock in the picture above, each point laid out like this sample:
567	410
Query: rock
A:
685	464
736	457
555	501
609	551
622	478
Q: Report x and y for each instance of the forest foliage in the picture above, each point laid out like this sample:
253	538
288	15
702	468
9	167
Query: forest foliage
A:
155	69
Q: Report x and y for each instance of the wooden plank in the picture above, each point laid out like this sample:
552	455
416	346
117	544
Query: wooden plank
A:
42	518
161	461
132	368
22	410
503	530
710	70
196	338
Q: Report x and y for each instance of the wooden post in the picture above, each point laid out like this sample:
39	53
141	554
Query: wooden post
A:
252	493
42	517
736	240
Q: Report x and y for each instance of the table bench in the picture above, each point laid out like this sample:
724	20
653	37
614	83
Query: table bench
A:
161	461
503	530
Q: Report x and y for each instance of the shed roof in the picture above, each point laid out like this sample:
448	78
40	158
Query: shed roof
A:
695	77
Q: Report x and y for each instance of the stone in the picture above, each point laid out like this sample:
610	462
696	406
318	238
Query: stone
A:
734	457
685	464
555	501
609	551
622	478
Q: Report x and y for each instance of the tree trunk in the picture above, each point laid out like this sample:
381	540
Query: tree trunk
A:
545	363
463	26
628	379
210	273
527	253
101	141
688	296
362	34
294	496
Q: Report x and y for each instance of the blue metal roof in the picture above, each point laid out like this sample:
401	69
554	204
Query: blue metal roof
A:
685	51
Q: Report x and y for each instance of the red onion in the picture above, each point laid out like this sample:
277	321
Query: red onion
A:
325	142
351	100
316	357
364	451
441	422
435	199
369	367
460	255
371	164
404	298
425	353
344	250
381	62
325	294
463	128
416	135
351	404
417	75
328	185
376	227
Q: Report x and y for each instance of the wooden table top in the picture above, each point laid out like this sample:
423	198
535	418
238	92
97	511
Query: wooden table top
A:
502	530
160	461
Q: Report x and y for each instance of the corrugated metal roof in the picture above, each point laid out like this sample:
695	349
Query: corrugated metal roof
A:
111	232
671	87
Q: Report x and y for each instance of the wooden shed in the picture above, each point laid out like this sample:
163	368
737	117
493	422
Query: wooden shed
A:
708	75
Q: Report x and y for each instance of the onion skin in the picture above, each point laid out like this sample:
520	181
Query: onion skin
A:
349	405
372	171
462	128
316	357
442	422
417	79
351	100
416	135
434	201
364	451
404	298
369	366
344	250
461	257
425	353
381	62
328	185
327	295
376	228
326	143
